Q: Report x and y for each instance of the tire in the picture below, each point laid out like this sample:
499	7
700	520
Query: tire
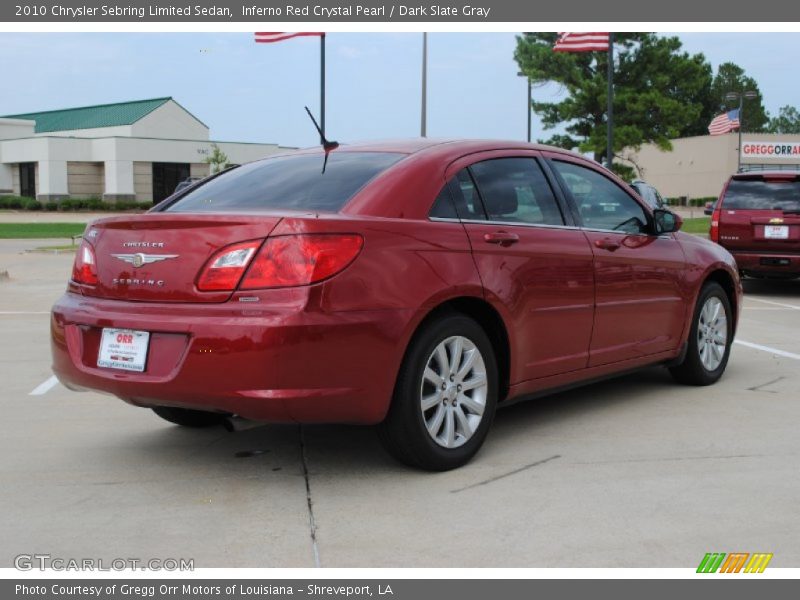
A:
189	418
464	416
705	361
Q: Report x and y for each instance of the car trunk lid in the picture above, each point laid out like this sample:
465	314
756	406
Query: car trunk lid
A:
157	257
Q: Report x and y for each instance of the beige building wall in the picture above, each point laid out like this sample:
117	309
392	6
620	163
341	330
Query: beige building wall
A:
143	181
85	179
699	166
199	170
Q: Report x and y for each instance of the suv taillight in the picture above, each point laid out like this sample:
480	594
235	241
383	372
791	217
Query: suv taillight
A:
713	233
303	259
84	269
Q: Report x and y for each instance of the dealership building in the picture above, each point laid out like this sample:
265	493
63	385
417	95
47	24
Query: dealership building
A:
137	150
698	167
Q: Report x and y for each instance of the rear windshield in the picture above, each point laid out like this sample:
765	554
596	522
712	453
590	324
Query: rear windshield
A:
755	194
293	182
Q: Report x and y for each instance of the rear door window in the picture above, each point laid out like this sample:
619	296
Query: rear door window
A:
289	182
756	194
515	190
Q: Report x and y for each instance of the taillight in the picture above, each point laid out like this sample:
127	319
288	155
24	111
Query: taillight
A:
292	260
713	233
84	269
226	267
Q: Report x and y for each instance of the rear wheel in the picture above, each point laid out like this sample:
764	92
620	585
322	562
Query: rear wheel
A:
188	417
709	339
445	396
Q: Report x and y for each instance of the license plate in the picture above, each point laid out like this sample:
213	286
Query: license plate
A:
124	349
776	232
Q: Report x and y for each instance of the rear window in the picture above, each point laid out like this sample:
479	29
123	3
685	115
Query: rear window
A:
756	194
292	182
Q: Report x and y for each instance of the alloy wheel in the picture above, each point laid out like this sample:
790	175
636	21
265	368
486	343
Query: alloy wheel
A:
712	333
453	391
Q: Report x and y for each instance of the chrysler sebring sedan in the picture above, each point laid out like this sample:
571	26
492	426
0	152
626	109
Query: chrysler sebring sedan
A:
415	285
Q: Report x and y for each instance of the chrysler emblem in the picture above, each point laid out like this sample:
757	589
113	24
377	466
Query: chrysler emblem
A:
140	259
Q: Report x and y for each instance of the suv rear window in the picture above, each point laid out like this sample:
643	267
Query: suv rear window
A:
292	182
757	194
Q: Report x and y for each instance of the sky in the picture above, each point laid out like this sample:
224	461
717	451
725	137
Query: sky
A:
256	92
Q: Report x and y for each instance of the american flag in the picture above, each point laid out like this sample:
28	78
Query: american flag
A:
581	42
267	37
727	121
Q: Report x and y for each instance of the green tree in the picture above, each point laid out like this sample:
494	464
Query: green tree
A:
660	91
731	77
787	121
217	160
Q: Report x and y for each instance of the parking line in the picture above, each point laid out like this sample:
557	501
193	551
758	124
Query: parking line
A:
781	304
774	351
43	388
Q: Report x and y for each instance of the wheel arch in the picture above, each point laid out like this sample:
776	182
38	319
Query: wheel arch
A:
492	323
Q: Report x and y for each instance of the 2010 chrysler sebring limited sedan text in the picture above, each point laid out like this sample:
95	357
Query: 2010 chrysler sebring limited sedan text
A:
415	285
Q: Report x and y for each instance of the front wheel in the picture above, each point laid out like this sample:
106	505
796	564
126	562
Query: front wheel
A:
709	339
445	397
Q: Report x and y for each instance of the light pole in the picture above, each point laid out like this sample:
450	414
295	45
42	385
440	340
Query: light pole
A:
423	128
740	96
530	102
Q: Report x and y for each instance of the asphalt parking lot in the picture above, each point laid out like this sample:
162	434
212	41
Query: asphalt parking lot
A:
634	472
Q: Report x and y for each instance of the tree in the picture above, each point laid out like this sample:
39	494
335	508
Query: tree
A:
660	92
787	121
732	78
218	160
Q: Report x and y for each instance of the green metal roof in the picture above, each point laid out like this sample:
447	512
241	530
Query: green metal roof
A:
89	117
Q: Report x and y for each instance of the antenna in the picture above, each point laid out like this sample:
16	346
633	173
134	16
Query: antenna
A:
326	145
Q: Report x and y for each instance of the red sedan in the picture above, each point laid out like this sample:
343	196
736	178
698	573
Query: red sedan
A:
414	284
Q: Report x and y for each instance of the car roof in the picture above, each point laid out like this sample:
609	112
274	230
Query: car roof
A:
439	146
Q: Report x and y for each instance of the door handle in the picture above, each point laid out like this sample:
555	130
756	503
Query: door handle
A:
607	244
504	238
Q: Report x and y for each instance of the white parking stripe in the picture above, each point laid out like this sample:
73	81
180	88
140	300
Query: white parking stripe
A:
781	304
774	351
43	388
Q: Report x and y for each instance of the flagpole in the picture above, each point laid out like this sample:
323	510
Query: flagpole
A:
423	129
610	118
322	86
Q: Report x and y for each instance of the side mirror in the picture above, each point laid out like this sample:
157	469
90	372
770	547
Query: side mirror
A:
666	221
709	208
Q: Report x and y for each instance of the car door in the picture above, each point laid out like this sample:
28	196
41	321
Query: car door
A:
640	307
531	259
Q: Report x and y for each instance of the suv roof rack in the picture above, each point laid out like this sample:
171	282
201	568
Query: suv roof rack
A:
751	168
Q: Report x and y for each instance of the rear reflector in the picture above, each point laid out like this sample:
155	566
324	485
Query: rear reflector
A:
226	267
293	260
84	269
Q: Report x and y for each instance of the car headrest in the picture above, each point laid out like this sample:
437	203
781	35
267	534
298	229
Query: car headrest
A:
502	199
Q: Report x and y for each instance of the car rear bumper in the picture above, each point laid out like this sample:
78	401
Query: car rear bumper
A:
276	362
767	263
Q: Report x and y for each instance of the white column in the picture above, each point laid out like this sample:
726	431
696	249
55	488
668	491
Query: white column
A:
119	180
6	178
53	183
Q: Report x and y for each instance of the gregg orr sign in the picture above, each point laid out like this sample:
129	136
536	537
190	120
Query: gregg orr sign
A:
788	151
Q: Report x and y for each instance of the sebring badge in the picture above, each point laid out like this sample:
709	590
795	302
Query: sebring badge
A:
140	259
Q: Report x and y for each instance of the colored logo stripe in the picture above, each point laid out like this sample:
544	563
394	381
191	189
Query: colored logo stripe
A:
735	561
